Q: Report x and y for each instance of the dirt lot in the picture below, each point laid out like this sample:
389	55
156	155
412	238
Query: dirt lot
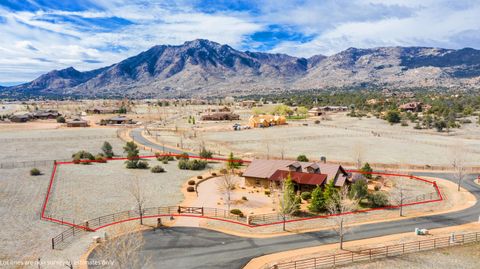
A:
83	192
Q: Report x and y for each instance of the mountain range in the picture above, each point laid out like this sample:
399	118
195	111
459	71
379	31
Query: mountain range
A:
205	68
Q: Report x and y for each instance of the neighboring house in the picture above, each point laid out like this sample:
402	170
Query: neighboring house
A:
220	109
119	120
103	110
76	122
261	121
306	175
221	116
315	112
46	114
21	118
415	107
248	103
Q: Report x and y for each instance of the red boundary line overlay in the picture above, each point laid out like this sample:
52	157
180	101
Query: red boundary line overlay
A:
54	170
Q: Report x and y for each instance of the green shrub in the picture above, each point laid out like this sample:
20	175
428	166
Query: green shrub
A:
100	158
306	195
131	164
183	156
157	169
191	182
142	165
206	154
237	212
378	199
190	189
192	164
302	158
107	149
35	172
61	119
165	161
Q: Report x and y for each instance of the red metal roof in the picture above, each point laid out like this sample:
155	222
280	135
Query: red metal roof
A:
299	177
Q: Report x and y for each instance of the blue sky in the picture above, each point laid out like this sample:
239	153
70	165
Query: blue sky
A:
41	35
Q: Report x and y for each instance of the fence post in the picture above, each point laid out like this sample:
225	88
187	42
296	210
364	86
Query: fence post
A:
370	254
53	243
387	251
435	243
202	210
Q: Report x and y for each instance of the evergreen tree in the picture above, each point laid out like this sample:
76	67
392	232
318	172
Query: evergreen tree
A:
132	154
317	201
367	169
107	150
330	191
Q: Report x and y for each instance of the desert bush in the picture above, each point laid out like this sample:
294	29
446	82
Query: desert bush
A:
244	198
199	177
214	174
183	156
191	182
165	161
377	187
267	193
107	149
237	212
302	158
306	195
223	171
35	172
142	165
378	199
100	158
157	169
206	154
192	164
61	119
131	165
317	122
190	189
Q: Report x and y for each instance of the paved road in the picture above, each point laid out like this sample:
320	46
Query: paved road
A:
136	134
183	247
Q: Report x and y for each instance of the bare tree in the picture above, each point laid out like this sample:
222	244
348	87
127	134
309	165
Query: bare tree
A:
226	184
136	191
288	203
123	250
397	196
458	164
337	207
358	153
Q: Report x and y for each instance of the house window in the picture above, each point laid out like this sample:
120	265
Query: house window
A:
257	181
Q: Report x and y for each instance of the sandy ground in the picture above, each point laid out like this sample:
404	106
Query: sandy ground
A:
304	253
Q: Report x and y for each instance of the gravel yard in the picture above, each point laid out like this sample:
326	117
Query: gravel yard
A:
83	192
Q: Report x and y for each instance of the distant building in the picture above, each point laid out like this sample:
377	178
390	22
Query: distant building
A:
103	110
248	103
317	111
221	116
118	120
414	107
266	121
21	118
76	122
306	175
46	114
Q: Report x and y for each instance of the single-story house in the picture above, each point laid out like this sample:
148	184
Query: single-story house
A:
103	110
306	175
315	112
248	103
266	121
415	107
20	117
221	116
46	114
76	122
119	120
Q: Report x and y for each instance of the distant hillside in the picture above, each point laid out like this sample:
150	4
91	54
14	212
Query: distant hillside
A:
203	67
